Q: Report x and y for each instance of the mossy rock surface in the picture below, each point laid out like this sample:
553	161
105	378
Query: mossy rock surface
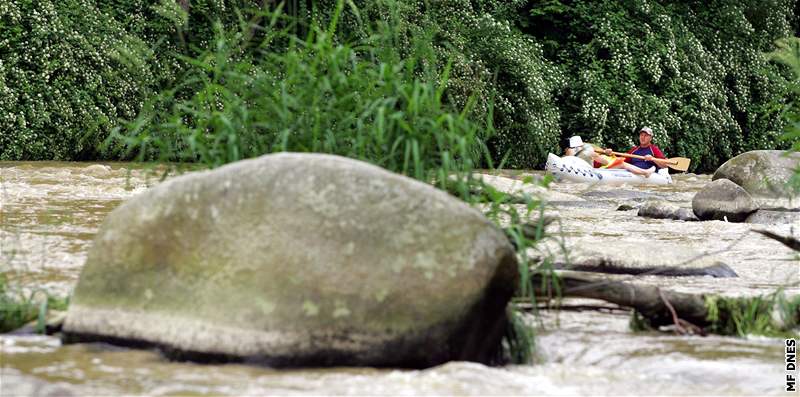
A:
298	260
762	173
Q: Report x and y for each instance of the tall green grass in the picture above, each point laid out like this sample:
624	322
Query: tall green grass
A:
771	315
787	52
242	98
18	308
262	89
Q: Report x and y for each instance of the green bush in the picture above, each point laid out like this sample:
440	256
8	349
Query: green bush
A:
71	70
512	73
490	60
183	27
62	88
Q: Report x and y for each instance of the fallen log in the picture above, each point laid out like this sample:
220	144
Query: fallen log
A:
771	314
645	299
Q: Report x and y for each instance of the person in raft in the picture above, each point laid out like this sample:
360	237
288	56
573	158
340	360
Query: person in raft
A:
646	148
588	153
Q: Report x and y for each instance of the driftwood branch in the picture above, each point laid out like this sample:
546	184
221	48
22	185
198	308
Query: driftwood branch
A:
648	301
788	241
681	326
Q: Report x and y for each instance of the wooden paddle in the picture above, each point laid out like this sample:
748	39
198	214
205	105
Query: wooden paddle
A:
676	163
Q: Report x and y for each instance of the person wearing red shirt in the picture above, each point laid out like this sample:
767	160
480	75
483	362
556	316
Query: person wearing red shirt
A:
646	148
603	159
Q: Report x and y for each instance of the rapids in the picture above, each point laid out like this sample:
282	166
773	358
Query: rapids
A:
50	211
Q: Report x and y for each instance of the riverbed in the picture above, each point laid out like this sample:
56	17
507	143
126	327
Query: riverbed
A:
50	211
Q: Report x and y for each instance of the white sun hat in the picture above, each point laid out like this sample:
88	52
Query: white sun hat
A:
647	130
575	141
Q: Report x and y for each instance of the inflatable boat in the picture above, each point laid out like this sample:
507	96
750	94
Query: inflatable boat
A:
571	168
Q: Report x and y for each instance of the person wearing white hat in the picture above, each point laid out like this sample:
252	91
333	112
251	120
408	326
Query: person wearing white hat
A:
647	149
583	151
587	152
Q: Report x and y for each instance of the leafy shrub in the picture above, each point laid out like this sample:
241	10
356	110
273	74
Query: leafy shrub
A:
521	83
61	86
70	70
178	26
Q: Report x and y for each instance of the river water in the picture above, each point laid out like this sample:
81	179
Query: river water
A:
49	213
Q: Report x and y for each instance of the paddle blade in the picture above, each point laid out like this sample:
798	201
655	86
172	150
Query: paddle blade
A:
679	163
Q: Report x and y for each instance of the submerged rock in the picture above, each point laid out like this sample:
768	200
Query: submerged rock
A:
762	173
768	217
98	170
665	210
723	199
657	259
298	260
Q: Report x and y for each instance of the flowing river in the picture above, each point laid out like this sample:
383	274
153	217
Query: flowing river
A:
50	211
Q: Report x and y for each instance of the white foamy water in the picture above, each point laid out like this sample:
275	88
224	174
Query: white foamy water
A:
49	213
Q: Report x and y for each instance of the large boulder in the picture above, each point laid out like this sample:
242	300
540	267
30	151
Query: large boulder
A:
298	259
762	173
722	199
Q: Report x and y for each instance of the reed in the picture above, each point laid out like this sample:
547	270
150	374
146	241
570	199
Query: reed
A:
361	100
18	308
770	315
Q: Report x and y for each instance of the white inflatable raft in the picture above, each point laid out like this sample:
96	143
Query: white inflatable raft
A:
571	168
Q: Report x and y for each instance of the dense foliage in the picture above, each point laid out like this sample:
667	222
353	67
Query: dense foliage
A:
693	71
61	87
540	71
788	53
